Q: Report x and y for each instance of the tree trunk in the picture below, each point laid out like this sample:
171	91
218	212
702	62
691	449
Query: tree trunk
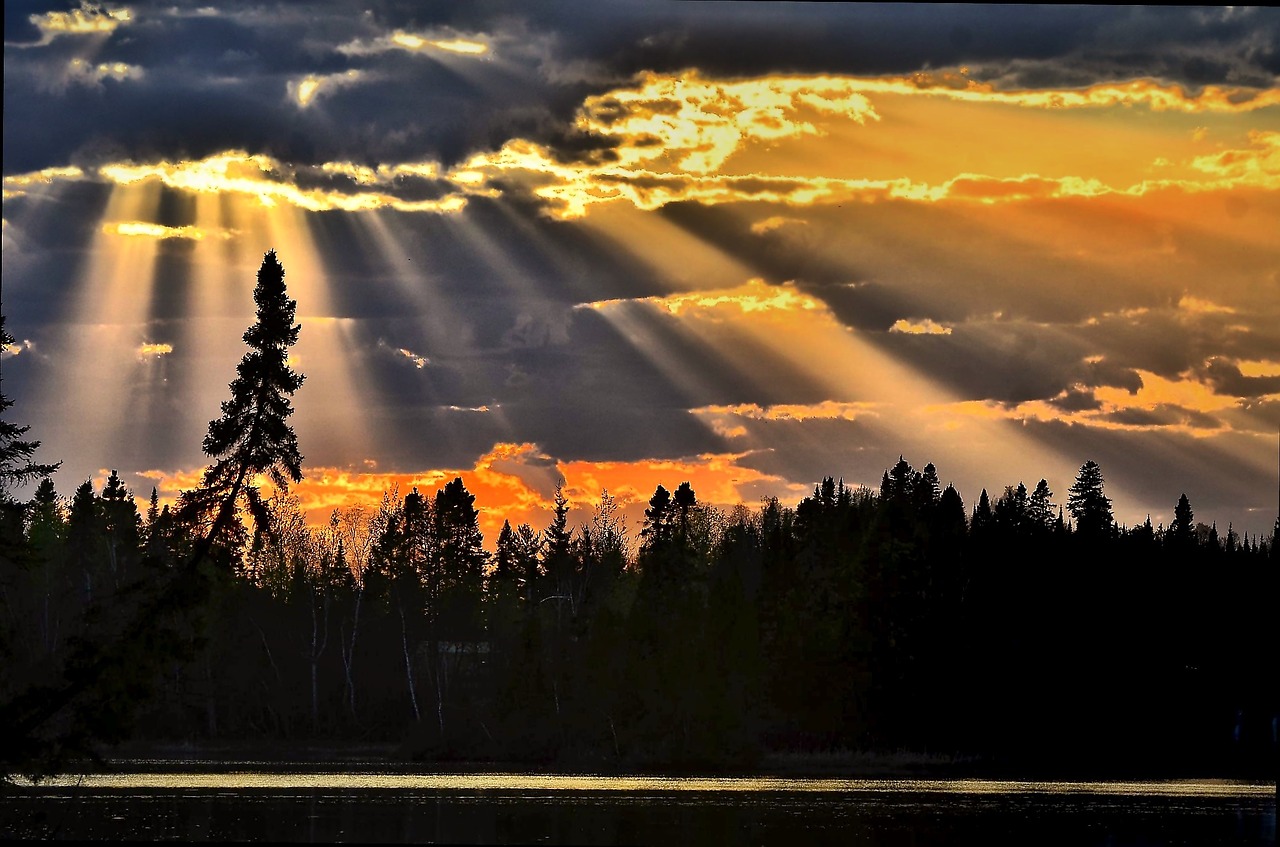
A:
349	654
408	665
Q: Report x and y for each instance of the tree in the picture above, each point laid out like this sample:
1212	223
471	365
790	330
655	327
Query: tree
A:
1182	532
460	563
1040	507
1090	508
982	517
656	520
108	676
253	435
122	524
16	467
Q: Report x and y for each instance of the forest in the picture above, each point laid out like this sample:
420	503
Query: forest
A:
1017	632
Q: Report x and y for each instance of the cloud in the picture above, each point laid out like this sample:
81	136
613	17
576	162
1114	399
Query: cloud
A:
1256	165
517	482
754	296
153	350
826	410
411	42
82	72
925	326
17	348
271	181
88	19
418	361
304	91
17	185
142	229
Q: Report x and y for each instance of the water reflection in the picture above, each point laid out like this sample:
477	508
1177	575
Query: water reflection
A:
491	808
339	781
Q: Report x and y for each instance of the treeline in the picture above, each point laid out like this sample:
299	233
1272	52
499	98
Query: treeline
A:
1018	630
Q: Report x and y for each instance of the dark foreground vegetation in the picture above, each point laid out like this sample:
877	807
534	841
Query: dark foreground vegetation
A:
1014	634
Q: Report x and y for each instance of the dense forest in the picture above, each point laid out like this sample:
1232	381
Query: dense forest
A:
1023	632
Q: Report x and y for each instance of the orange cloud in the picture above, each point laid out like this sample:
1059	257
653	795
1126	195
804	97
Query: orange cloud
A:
754	296
516	482
922	327
1187	405
826	410
785	140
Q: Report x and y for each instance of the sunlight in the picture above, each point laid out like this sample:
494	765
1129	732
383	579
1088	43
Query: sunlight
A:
331	410
917	411
107	321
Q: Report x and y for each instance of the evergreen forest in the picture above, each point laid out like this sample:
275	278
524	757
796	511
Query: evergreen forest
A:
1027	631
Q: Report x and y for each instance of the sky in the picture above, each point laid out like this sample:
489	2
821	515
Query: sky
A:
626	244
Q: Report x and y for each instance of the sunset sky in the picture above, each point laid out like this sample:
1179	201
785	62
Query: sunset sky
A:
633	243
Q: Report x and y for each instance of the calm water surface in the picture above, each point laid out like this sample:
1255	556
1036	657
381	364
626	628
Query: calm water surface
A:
490	808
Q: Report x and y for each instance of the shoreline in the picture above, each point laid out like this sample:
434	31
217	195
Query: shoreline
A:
834	764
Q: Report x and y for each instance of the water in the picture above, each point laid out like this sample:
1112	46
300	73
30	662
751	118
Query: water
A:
488	808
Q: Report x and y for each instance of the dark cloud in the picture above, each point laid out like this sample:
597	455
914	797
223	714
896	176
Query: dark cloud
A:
1226	378
1076	401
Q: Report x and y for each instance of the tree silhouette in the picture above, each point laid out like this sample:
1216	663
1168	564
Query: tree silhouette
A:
16	466
253	435
1182	532
1090	508
109	675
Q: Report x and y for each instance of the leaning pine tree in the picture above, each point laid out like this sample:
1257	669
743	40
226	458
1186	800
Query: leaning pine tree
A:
108	676
253	436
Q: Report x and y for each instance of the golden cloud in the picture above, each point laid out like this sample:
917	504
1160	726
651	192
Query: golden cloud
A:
86	73
922	327
151	350
753	296
142	229
470	45
304	91
1187	405
826	410
685	137
1257	165
1198	306
17	348
17	184
419	362
269	181
88	19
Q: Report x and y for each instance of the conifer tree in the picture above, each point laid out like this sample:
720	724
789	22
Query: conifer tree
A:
253	435
16	466
107	677
1182	532
1040	506
1090	508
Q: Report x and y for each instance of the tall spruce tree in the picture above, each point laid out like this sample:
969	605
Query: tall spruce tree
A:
1090	508
1182	532
107	677
253	435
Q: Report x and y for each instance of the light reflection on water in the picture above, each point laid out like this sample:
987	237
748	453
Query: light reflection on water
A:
245	801
339	781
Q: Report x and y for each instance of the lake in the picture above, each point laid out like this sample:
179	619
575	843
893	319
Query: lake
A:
254	803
